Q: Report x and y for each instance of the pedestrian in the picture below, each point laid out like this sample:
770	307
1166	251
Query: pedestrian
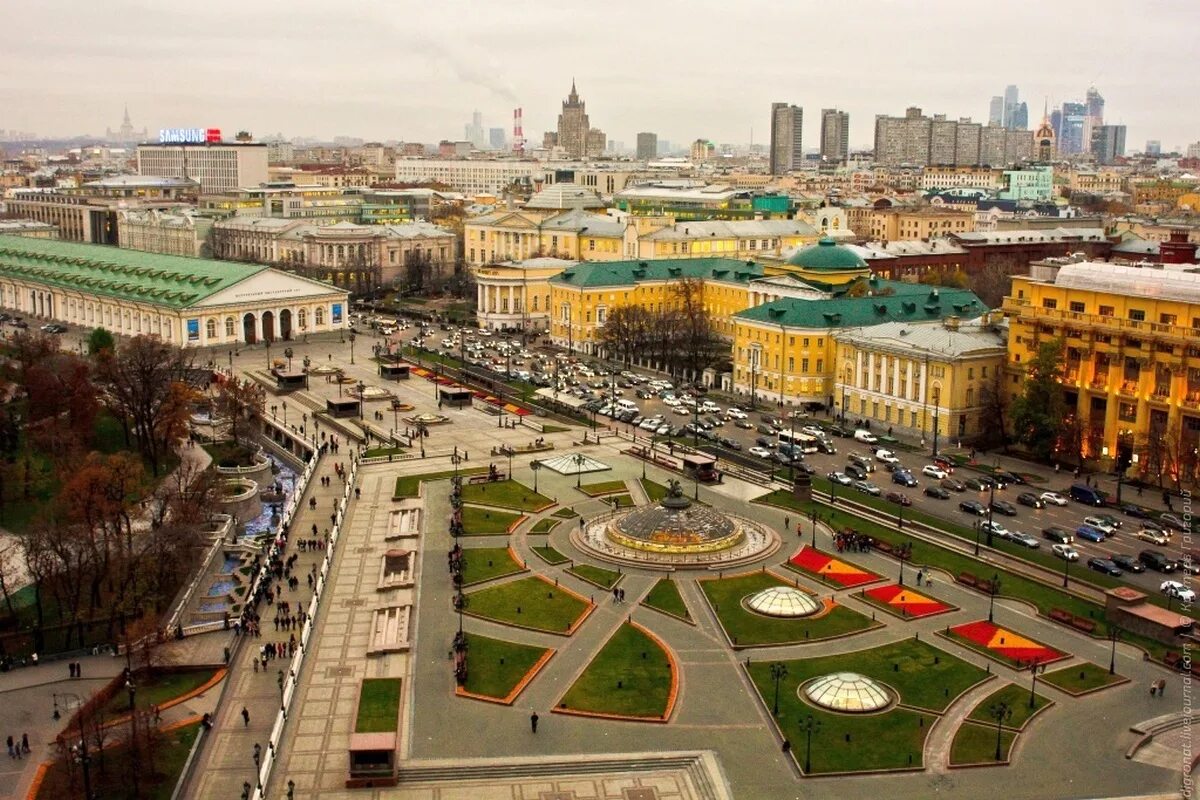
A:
787	523
622	595
25	742
11	754
71	669
1056	467
1162	688
246	716
533	721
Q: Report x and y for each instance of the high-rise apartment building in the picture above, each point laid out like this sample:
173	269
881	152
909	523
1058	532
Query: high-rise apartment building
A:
1108	143
1193	150
835	135
575	133
647	146
996	111
787	128
918	140
217	166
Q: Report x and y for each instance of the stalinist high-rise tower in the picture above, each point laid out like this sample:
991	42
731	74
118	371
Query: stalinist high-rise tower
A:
575	134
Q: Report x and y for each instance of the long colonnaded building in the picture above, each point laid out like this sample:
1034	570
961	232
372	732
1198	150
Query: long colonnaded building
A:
190	302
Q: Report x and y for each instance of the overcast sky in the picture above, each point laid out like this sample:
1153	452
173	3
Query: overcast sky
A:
701	68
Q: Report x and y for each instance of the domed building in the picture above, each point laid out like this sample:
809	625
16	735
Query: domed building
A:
827	263
783	601
848	692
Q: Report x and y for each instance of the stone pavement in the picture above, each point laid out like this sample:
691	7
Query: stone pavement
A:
225	759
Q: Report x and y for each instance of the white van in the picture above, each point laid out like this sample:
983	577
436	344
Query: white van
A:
627	405
862	435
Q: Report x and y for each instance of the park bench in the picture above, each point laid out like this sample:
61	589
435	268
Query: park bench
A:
967	579
1058	615
1173	660
1082	624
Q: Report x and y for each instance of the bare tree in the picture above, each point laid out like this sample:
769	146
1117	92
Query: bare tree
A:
240	401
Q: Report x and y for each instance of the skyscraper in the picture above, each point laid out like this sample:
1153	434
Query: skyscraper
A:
1071	139
474	131
575	133
835	135
1019	120
787	128
1153	147
996	111
1010	104
647	146
1108	143
496	138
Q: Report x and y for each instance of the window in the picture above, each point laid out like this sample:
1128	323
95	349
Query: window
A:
984	372
302	318
1049	302
820	365
1106	311
1137	314
806	342
970	397
970	373
1127	412
591	244
791	364
1077	307
210	329
804	365
1167	319
601	314
319	316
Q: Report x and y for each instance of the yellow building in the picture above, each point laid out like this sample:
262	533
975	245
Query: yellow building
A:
582	296
743	239
518	235
1131	371
917	378
515	296
890	225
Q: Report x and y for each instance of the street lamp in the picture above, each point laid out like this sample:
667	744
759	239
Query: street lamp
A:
307	361
935	426
287	353
993	590
991	501
578	460
284	404
1034	669
809	726
536	466
1000	712
1066	566
1114	634
362	387
778	673
352	338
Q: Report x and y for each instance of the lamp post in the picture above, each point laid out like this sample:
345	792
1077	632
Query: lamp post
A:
1034	669
993	590
1114	634
362	387
976	538
422	432
284	404
307	361
810	725
1066	566
536	466
352	338
461	601
778	673
935	426
578	460
287	353
991	501
999	712
268	354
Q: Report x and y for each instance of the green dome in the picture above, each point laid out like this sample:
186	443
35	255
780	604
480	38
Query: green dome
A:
827	255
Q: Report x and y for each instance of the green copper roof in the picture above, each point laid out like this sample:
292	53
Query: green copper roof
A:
828	255
910	302
172	281
591	274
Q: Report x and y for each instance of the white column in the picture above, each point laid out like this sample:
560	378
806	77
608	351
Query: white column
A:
895	376
908	388
921	385
858	368
479	297
870	371
512	295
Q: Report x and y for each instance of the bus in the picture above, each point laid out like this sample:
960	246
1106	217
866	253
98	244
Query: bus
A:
701	467
802	441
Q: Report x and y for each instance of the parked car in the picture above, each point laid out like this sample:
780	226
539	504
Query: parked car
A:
745	424
1174	521
866	487
1008	478
1030	499
1105	566
1004	507
1136	511
954	485
736	413
1024	539
1053	498
840	478
899	498
937	492
765	429
1157	561
1065	552
886	457
1178	591
995	528
904	478
865	436
934	471
973	507
1127	562
759	451
1087	495
1090	534
1057	534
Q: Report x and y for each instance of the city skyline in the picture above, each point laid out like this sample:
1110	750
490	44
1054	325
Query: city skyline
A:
423	91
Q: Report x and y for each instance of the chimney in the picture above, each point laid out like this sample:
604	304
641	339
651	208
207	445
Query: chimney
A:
951	323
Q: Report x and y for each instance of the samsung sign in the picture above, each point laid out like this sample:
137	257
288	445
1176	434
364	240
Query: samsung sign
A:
189	135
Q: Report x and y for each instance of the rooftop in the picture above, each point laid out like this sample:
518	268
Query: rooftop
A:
826	255
1150	282
908	302
564	196
146	181
972	338
591	274
1060	234
172	281
579	221
735	229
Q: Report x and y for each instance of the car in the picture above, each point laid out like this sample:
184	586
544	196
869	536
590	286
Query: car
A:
730	443
1110	519
953	485
644	394
841	478
995	528
1065	552
1178	591
866	487
666	430
1090	534
744	424
1056	533
1151	535
837	430
736	413
934	471
973	507
944	462
1030	499
978	484
1127	563
1174	521
1024	539
768	419
1189	565
855	471
650	423
1105	566
812	430
1102	524
826	446
806	468
1004	507
1156	560
1008	478
766	429
681	410
759	451
863	461
1053	498
899	498
937	492
1134	510
904	478
886	457
765	441
865	436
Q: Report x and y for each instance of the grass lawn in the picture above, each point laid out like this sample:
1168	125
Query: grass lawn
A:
505	494
543	526
976	744
631	676
228	454
554	429
486	563
530	602
665	596
1017	698
386	451
565	513
378	705
604	578
495	667
550	555
410	485
152	690
654	490
1081	678
479	521
603	487
113	783
746	629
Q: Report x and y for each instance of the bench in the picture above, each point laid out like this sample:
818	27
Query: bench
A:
1058	615
498	476
885	547
967	579
1085	625
1173	660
